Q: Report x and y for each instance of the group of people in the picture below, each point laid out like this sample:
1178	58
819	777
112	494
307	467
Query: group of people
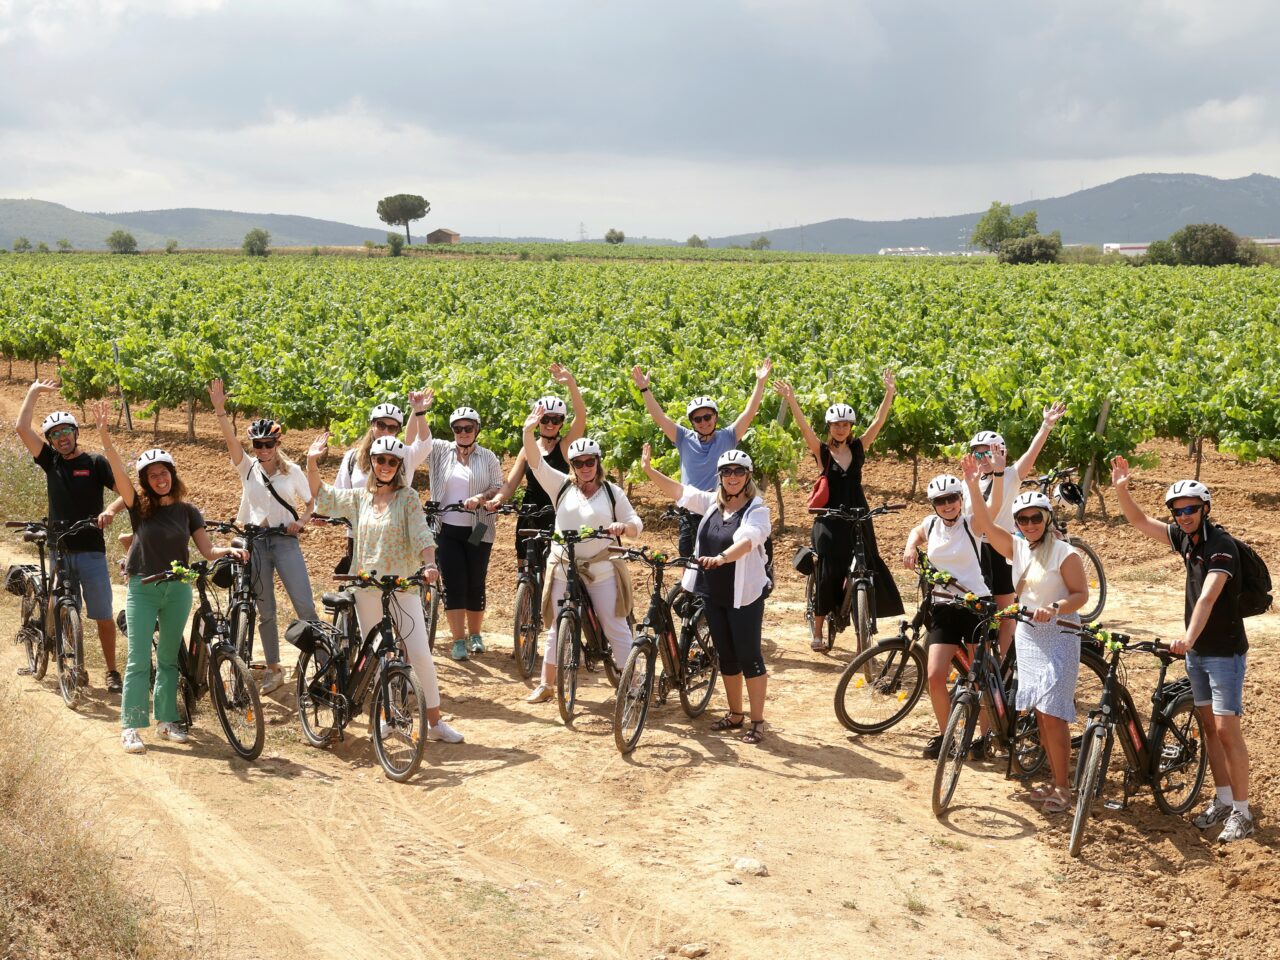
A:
991	538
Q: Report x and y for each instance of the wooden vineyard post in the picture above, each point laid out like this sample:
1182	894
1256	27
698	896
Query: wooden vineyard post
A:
1100	429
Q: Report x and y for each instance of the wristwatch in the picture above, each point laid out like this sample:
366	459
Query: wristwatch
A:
419	413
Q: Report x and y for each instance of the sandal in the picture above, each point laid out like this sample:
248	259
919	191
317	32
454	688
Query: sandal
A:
753	735
1058	802
725	723
1042	793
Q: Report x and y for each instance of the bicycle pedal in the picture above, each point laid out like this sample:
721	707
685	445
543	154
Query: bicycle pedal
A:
1114	804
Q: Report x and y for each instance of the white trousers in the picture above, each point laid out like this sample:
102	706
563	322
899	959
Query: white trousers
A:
604	597
406	614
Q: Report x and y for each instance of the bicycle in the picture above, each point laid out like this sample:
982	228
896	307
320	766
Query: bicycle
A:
243	612
432	593
689	661
1168	756
580	640
857	603
211	662
49	624
1066	492
337	670
881	686
527	611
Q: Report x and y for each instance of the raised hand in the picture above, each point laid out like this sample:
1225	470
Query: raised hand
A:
890	379
102	414
218	397
784	390
43	386
646	457
1053	412
970	467
1120	473
999	458
763	371
422	399
560	374
531	421
639	377
319	446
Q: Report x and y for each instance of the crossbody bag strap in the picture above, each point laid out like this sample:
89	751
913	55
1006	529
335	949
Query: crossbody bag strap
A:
279	499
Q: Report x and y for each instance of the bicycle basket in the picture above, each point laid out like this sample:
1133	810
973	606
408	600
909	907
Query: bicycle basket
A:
307	635
223	573
1068	494
15	578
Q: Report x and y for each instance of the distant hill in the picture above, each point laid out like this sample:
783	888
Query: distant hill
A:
1148	206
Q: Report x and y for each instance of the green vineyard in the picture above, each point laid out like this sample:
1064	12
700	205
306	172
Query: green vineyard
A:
1181	353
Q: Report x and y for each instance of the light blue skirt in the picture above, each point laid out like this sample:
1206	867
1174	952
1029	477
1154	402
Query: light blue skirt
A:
1048	666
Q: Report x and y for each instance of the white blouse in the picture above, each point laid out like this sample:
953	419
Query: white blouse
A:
576	510
954	549
1050	588
749	577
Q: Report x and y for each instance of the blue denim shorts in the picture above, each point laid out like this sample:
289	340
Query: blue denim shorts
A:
90	570
1218	681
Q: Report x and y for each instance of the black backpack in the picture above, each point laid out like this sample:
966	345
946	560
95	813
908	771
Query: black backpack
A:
1255	581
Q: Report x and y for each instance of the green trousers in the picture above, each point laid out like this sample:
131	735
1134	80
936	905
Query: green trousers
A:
170	601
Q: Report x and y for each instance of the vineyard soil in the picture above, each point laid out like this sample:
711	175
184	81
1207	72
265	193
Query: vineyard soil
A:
533	840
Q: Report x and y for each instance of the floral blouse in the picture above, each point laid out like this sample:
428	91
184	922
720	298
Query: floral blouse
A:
390	543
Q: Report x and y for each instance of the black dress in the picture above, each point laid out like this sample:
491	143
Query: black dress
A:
833	540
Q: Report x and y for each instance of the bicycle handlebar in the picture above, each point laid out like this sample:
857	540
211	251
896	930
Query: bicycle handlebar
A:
433	507
326	521
857	513
647	556
386	583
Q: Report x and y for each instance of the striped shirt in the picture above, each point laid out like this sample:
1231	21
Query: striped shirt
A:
486	475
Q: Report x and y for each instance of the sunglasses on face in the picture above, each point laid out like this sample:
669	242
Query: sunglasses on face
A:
733	471
464	428
1026	519
264	444
551	418
583	462
1185	511
386	425
61	432
982	454
386	460
702	417
947	501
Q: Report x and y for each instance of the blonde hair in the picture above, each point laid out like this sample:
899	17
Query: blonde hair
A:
749	490
1041	553
362	451
395	483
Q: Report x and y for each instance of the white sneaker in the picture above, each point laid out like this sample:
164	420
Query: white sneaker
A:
131	742
171	731
541	694
271	681
442	731
1215	812
1239	825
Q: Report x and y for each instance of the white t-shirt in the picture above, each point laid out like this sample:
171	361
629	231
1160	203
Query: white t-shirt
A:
1001	512
576	511
954	550
258	506
457	488
1051	588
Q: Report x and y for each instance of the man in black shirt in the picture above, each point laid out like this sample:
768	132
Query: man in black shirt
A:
76	482
1215	644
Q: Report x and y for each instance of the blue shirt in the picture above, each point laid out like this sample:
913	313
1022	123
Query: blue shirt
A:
698	459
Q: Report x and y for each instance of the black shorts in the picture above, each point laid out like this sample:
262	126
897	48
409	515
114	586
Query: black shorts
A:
997	571
952	625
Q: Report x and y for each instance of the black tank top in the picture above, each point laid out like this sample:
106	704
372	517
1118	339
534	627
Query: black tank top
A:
845	485
534	495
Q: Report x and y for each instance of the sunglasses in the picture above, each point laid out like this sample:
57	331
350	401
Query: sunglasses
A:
61	432
551	419
1184	511
264	444
387	425
982	454
464	428
733	471
1025	519
703	418
386	460
946	501
581	462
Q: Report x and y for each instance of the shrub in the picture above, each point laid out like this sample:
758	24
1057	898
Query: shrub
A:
1205	245
396	244
42	247
1037	248
22	245
1160	253
614	236
695	241
171	246
64	246
760	243
122	241
256	242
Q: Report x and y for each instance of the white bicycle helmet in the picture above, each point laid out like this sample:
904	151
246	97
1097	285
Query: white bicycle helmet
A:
943	485
735	458
1032	498
552	405
583	447
697	403
464	413
57	419
841	413
1187	488
388	410
388	445
987	438
153	456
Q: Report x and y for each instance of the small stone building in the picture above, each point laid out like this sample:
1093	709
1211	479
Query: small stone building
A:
444	235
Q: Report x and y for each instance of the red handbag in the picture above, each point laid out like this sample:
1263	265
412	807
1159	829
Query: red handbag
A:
820	493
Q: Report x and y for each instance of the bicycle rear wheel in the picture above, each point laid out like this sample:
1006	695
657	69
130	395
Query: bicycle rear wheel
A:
634	687
1179	751
72	640
235	701
1094	576
399	722
319	698
810	602
524	634
568	656
1090	778
953	751
699	665
880	686
31	632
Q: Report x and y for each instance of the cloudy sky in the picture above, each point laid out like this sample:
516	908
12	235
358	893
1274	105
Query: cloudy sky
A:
541	117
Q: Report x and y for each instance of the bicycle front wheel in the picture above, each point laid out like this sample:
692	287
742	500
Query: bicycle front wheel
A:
568	656
524	634
1094	576
241	620
699	666
952	752
634	686
430	610
810	601
862	616
68	661
880	687
319	698
399	722
1089	683
1090	778
235	700
1179	752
